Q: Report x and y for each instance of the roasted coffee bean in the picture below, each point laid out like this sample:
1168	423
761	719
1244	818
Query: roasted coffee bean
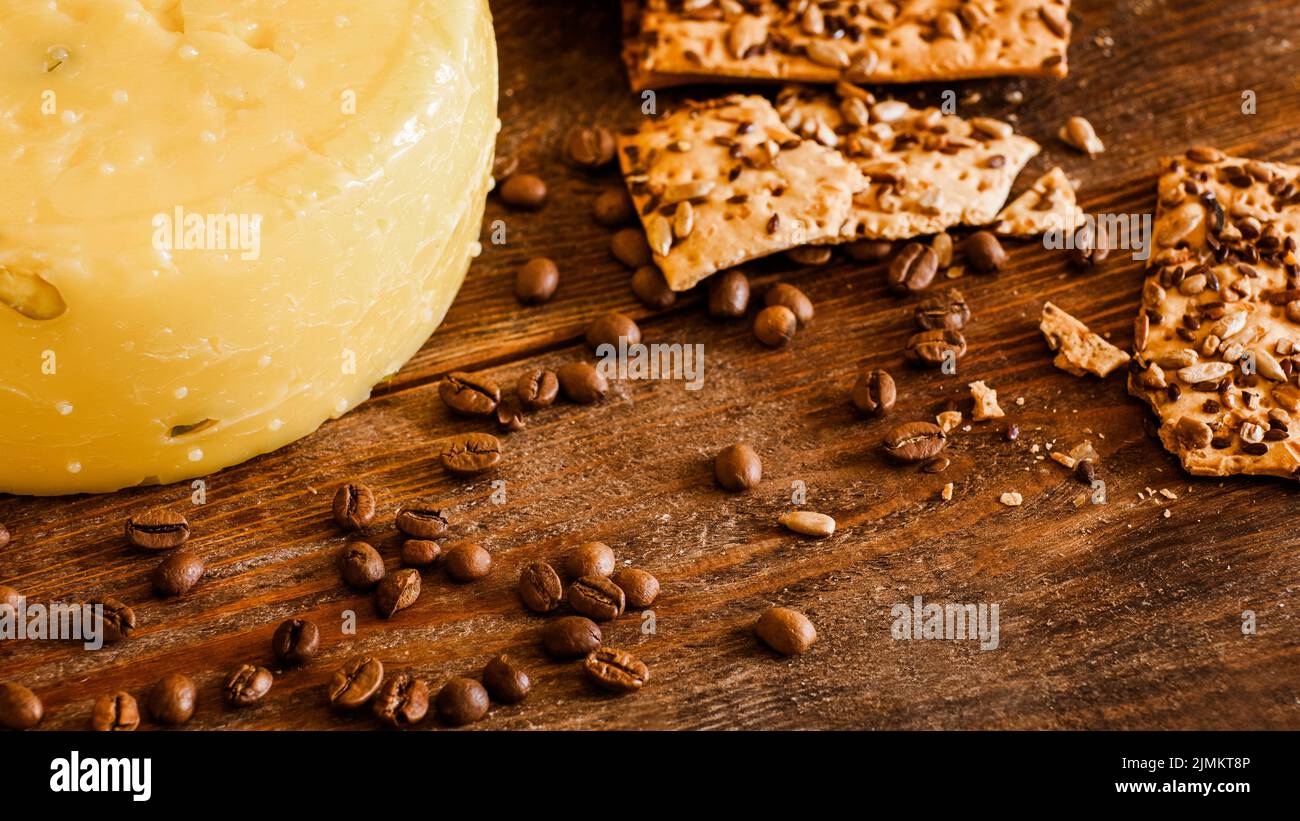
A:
422	522
536	281
582	383
931	349
874	394
470	454
1091	254
117	622
116	713
462	701
506	682
420	553
613	208
775	326
402	700
1085	471
869	250
590	146
469	395
20	708
355	682
597	597
503	165
611	327
172	699
793	298
913	269
984	253
651	288
737	467
570	637
467	561
615	670
523	191
178	573
589	559
728	294
540	588
914	441
629	246
936	465
946	311
360	565
157	529
354	506
786	631
398	591
510	416
247	685
537	388
296	641
639	587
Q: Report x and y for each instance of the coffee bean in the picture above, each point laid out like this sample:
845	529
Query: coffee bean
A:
946	311
353	684
728	294
20	708
506	682
984	252
397	591
296	641
775	326
615	670
590	147
914	441
589	559
178	573
610	327
874	394
1085	471
597	597
402	700
737	467
913	269
869	250
116	713
158	529
247	684
172	699
462	701
360	565
420	553
470	454
629	246
649	286
1093	252
469	395
510	416
467	561
570	637
537	388
117	622
582	382
931	349
786	631
536	281
614	208
639	587
936	465
354	506
540	588
524	191
421	522
790	297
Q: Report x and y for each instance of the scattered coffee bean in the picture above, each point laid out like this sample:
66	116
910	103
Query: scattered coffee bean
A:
469	395
946	311
629	246
117	622
420	553
590	147
790	297
810	255
737	467
931	349
913	269
649	286
597	597
614	208
524	191
398	591
936	465
172	699
462	701
354	506
296	641
1092	252
470	454
869	250
20	708
536	281
589	559
421	522
640	588
786	631
402	700
914	441
467	561
506	682
355	682
157	529
984	252
360	565
116	713
874	394
615	670
247	685
728	294
504	165
942	246
775	325
808	523
570	637
1085	471
178	573
537	388
610	327
540	588
582	382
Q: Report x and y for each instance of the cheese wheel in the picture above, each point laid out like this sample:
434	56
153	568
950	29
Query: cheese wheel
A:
223	221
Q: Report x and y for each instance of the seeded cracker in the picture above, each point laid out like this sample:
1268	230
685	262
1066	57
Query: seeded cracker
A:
721	182
1078	350
669	42
1049	205
1218	333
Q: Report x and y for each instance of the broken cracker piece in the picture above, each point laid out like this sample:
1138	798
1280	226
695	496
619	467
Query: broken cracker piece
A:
1049	205
1078	350
986	402
948	420
1011	499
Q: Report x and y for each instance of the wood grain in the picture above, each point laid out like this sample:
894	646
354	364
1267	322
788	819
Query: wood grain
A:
1111	615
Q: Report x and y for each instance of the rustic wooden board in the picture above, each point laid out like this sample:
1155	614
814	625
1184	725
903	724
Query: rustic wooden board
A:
1112	616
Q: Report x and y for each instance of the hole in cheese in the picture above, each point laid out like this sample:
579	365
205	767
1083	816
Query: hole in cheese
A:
178	431
29	294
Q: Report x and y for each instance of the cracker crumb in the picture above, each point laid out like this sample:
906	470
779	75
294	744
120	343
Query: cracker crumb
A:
1167	493
946	493
948	420
1011	499
986	402
1064	459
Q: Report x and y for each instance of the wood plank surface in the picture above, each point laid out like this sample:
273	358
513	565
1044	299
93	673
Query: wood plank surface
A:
1111	615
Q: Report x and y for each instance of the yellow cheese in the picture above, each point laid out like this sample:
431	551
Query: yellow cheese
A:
223	221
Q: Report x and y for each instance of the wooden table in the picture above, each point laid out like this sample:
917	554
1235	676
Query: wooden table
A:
1112	615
